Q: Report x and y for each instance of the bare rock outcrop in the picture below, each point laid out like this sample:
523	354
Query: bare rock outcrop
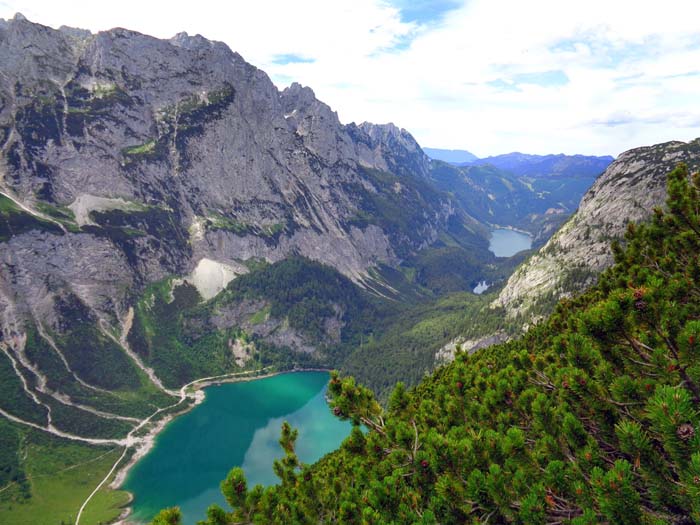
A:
572	259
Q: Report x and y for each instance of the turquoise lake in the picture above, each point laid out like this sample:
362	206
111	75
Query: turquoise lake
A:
238	424
506	243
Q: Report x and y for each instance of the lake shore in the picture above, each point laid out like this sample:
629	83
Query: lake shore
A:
198	396
512	228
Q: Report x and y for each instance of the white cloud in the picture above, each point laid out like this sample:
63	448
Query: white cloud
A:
621	57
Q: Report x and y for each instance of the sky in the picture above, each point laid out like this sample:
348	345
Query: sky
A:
489	76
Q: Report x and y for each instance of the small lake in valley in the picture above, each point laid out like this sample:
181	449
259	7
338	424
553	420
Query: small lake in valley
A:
506	243
238	424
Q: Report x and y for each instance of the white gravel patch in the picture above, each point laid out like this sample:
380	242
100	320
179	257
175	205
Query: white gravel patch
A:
210	277
85	203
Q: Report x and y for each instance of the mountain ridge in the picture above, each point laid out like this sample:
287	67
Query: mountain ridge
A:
626	192
551	165
88	127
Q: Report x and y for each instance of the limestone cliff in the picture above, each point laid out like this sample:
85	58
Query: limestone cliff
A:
143	157
572	259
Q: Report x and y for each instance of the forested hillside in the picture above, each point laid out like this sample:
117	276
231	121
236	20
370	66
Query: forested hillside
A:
592	417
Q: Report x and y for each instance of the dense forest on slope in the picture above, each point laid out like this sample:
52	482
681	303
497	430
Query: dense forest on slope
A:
301	313
592	417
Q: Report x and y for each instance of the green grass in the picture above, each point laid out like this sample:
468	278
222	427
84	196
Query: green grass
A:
216	221
60	213
7	205
61	475
151	150
141	149
260	316
11	471
104	506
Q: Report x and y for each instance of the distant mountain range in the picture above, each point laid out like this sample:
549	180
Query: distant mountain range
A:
537	166
524	164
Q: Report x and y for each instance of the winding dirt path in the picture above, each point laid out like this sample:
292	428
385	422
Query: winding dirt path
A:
53	430
145	443
123	342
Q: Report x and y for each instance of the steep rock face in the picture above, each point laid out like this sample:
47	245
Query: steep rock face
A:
572	259
396	146
156	154
39	268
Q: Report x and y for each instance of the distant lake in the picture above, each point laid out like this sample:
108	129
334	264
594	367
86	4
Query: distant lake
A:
506	243
238	424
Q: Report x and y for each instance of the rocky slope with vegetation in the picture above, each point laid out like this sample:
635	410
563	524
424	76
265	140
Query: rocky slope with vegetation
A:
591	417
132	167
138	178
573	258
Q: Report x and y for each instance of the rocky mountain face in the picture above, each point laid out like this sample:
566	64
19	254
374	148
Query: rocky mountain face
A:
167	215
139	158
572	259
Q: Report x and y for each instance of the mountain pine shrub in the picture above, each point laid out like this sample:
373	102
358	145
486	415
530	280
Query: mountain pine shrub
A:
592	417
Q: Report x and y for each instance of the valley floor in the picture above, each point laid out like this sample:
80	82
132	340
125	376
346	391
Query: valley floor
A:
77	482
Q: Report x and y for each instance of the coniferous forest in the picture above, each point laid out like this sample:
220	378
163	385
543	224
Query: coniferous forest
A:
593	416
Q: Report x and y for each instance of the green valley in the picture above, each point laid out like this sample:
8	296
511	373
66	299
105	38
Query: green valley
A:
173	218
591	417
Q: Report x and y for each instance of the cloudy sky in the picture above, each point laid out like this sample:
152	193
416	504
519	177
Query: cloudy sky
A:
489	76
